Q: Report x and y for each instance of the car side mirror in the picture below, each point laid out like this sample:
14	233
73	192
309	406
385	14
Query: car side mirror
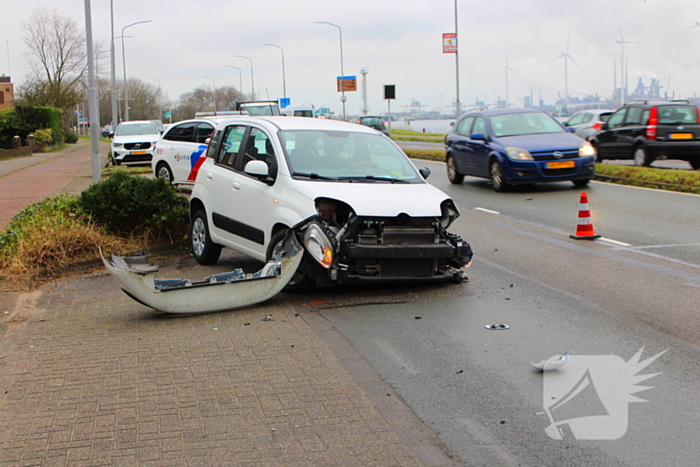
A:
424	172
604	126
571	129
479	137
259	170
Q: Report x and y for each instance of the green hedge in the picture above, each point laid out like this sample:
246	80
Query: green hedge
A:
23	120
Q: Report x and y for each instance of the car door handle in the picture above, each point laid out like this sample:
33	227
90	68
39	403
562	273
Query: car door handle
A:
210	175
236	185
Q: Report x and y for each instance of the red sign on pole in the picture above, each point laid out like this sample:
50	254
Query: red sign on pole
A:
449	43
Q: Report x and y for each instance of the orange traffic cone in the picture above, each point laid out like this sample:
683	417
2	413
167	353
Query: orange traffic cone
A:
584	228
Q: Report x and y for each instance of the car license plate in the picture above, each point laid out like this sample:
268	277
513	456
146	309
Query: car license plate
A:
138	153
561	165
681	136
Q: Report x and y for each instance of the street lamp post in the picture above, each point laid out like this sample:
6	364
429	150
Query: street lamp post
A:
252	84
160	107
284	80
113	77
240	77
213	89
126	88
343	99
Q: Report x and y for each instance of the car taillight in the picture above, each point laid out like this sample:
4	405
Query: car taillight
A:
697	110
597	126
653	120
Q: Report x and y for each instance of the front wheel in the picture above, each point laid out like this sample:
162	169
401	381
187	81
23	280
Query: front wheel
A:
695	163
452	174
498	182
203	249
581	183
642	157
301	281
163	171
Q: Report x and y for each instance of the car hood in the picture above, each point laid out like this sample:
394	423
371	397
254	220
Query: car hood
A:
135	138
543	142
381	199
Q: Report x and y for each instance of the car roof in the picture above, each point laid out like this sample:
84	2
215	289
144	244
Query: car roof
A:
299	123
491	112
137	122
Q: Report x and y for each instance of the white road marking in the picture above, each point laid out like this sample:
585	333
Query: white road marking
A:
486	210
614	242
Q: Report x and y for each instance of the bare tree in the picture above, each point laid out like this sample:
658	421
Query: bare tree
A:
58	59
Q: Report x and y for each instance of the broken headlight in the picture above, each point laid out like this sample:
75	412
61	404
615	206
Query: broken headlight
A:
449	213
319	245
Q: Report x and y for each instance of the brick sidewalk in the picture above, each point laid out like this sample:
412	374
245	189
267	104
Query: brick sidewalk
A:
90	377
28	180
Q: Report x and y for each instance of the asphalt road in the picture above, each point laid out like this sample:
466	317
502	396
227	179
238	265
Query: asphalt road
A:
602	301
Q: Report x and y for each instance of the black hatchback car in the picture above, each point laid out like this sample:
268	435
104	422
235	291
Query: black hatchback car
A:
647	131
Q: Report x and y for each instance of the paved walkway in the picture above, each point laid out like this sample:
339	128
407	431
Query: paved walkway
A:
88	377
27	180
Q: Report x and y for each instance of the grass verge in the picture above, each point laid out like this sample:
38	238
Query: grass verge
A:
684	181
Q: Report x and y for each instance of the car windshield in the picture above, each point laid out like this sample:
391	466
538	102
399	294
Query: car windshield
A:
137	129
261	109
675	114
346	155
530	123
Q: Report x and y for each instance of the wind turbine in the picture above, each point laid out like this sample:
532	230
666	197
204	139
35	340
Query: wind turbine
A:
506	69
566	56
623	76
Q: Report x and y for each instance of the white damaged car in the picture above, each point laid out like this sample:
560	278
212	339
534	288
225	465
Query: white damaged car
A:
358	206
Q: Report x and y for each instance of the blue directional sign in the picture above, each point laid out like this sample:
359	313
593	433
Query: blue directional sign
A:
285	101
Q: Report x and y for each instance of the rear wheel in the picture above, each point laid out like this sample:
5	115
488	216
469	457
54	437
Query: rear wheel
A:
203	249
642	157
452	174
497	180
301	281
695	163
163	171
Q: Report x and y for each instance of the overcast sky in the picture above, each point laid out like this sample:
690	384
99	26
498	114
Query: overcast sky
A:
400	42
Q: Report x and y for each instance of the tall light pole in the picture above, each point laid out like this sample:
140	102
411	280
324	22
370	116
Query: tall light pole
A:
213	89
126	88
284	80
240	77
113	77
160	108
458	106
94	108
252	84
343	99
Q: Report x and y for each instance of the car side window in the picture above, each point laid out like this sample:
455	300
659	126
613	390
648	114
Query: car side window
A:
479	126
634	116
204	131
258	147
587	117
615	120
230	144
464	126
575	120
183	132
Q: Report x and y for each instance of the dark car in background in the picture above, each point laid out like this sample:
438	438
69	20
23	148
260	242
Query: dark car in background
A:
516	147
646	131
375	122
586	122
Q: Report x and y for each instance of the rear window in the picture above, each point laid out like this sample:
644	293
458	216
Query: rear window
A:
676	114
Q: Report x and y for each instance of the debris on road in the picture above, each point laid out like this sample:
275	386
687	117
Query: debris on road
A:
552	363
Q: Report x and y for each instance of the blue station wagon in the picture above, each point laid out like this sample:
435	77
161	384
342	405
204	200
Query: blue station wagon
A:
516	147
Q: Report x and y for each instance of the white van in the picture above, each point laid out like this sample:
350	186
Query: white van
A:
301	110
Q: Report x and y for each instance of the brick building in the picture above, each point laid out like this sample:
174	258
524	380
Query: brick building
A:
7	93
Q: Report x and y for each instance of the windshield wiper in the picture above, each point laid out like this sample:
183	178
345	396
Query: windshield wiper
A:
312	176
375	178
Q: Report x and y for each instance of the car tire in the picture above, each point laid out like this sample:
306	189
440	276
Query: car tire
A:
498	182
163	171
205	251
642	157
452	174
300	282
695	164
581	183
